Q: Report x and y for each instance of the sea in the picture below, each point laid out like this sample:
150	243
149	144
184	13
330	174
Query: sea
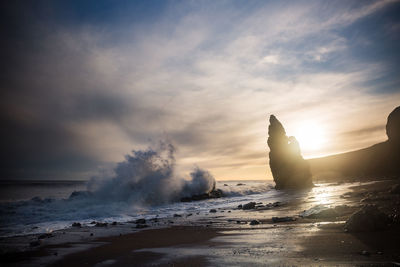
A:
31	207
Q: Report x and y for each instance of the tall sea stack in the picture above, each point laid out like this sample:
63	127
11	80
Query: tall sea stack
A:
288	167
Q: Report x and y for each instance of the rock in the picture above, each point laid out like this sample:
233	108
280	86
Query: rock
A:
141	226
91	234
249	206
93	222
100	224
216	193
76	224
225	185
254	222
288	167
140	221
369	218
114	223
240	184
393	126
240	206
283	219
46	235
213	210
177	215
188	215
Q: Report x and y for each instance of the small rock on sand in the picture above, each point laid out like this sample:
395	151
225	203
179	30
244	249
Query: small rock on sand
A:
249	206
283	219
76	224
254	222
213	210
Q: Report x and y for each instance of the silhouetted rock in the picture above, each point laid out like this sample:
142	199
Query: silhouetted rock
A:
254	222
100	224
249	206
283	219
76	224
140	221
213	210
381	160
369	218
288	167
216	193
393	126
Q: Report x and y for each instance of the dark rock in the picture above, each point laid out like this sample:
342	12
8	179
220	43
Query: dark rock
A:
225	185
140	221
93	222
240	184
254	222
141	226
114	223
288	167
188	215
91	234
369	218
249	206
379	161
100	224
46	235
393	126
216	193
283	219
240	206
76	224
213	210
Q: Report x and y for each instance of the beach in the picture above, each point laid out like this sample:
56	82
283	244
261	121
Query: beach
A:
298	230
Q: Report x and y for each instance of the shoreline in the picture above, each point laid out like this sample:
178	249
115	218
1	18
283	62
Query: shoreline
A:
214	240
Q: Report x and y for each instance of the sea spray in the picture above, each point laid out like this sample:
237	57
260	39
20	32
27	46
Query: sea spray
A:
147	177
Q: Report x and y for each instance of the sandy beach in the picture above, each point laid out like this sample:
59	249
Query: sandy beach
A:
282	234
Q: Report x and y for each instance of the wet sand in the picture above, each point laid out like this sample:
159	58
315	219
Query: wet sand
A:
220	240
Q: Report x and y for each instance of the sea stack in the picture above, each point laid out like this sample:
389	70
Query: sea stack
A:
288	167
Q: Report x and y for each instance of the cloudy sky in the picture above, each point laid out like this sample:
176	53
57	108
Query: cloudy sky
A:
85	82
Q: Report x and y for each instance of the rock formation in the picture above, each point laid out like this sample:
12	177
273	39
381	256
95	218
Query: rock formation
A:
378	161
288	167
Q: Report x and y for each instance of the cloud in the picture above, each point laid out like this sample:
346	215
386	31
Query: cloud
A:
81	95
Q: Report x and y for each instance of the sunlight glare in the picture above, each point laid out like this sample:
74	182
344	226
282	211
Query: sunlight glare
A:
310	136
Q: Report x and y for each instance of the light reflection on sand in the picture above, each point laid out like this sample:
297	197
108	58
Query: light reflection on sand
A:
266	243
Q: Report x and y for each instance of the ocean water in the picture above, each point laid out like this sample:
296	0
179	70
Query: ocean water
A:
37	207
41	206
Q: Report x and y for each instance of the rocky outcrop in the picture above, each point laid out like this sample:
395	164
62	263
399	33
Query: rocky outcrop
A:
216	193
378	161
288	167
369	218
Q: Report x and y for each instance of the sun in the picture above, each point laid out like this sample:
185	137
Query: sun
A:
311	136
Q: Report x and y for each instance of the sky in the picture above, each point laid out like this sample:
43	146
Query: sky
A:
83	83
